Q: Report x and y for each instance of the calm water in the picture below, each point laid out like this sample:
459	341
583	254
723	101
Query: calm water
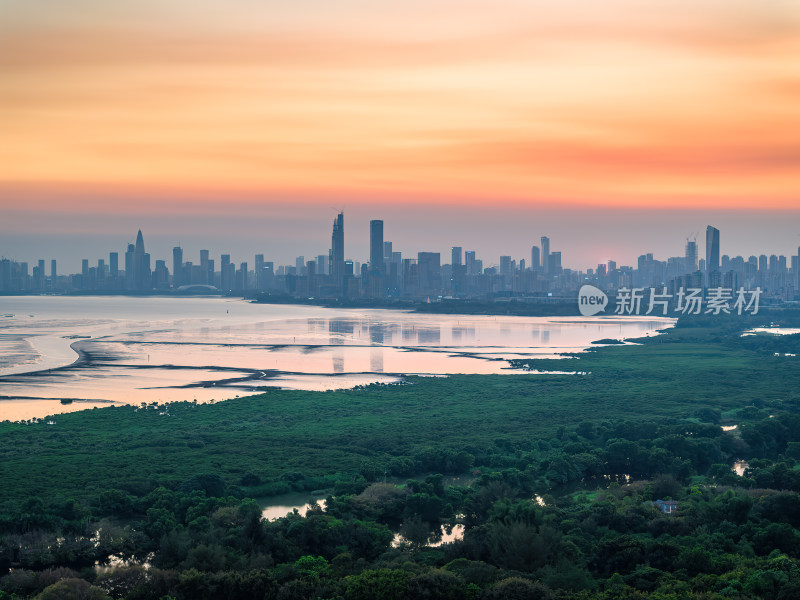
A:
101	350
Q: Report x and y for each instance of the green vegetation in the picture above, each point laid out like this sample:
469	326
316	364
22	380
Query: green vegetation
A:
169	485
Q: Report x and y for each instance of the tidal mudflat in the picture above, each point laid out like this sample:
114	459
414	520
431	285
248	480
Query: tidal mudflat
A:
59	354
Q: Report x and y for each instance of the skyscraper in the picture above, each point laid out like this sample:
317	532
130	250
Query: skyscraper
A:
505	265
337	252
113	265
130	270
227	271
554	268
206	268
141	278
545	254
376	246
797	272
177	266
469	259
430	272
712	250
536	259
259	272
455	253
691	256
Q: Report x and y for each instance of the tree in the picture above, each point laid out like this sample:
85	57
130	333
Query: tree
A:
72	589
377	584
436	585
517	588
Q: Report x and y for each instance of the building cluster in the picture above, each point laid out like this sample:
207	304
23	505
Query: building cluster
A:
388	274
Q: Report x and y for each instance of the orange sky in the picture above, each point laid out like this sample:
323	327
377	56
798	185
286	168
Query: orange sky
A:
616	103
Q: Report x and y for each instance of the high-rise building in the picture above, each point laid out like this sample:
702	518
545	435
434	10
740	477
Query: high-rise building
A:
691	256
797	272
113	265
505	265
455	256
206	268
53	271
536	259
160	275
137	266
554	260
469	260
129	274
322	264
376	250
712	250
429	272
226	272
259	272
545	254
241	277
387	251
337	252
177	267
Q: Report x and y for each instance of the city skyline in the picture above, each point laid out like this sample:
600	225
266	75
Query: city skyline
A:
618	236
387	273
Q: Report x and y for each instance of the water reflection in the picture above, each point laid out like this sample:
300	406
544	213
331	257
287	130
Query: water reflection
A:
278	507
376	360
132	350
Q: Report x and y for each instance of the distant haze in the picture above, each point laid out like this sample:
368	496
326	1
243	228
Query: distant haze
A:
585	236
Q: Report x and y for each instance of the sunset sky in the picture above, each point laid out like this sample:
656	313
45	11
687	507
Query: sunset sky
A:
250	122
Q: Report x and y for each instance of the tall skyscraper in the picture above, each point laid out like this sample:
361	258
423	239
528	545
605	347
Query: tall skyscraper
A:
206	268
545	254
796	272
505	265
691	256
469	259
712	250
259	272
455	258
113	265
376	261
141	277
430	272
337	252
536	259
554	268
177	266
130	275
53	271
226	272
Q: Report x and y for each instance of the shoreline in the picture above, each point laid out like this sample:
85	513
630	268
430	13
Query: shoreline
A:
47	362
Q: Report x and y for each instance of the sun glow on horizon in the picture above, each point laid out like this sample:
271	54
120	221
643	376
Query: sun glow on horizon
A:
690	104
